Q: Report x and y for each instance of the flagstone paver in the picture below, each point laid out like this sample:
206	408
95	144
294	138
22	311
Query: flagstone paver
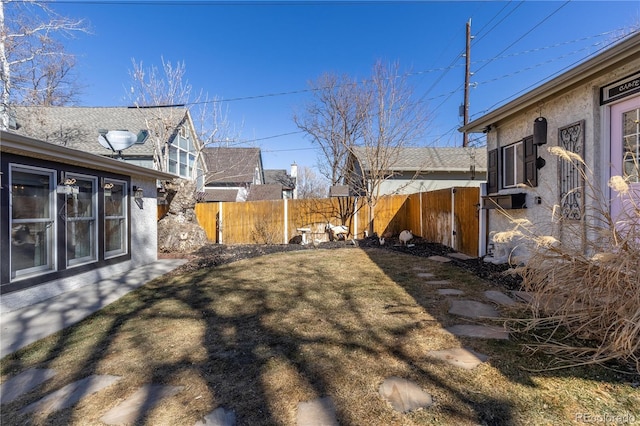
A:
70	394
523	296
139	404
459	357
440	259
438	282
472	309
480	331
425	275
460	256
450	292
499	297
318	412
218	417
23	383
404	395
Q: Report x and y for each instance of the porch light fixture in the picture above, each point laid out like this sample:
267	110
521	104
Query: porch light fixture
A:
540	131
107	189
138	193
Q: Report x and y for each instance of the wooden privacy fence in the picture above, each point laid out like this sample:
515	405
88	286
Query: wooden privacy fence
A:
446	216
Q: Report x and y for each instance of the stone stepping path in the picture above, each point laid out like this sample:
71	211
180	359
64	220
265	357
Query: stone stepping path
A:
218	417
425	275
472	309
404	395
440	259
480	331
523	296
318	412
499	298
438	282
450	292
70	394
459	357
137	405
460	256
23	383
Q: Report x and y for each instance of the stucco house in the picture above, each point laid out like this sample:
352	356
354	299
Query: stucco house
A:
231	173
419	169
592	111
70	217
89	129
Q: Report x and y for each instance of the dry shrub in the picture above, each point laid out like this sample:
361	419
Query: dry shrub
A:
265	232
586	287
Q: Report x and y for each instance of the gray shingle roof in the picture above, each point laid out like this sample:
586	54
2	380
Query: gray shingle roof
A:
265	192
279	176
211	195
77	127
433	159
231	165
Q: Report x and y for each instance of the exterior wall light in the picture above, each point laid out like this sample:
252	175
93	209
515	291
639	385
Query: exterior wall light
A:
138	193
540	131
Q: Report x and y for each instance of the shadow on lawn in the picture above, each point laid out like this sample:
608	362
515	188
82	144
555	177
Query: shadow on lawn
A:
245	329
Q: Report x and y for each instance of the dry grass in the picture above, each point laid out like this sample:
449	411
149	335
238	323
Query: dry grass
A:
259	336
586	282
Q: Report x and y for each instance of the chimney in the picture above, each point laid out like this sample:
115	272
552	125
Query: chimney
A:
294	178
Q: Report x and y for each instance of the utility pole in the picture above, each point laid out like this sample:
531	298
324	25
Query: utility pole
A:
467	83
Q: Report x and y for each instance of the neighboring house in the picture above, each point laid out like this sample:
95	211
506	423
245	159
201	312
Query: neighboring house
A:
231	173
80	128
592	110
70	218
421	169
286	182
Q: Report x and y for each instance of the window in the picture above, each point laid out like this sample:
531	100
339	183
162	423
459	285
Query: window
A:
32	206
81	219
115	218
512	165
631	151
182	158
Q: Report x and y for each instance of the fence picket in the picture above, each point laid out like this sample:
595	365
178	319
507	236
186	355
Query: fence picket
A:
433	215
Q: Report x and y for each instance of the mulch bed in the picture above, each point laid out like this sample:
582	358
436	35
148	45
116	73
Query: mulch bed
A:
213	255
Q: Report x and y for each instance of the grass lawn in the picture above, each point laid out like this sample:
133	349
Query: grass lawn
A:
261	335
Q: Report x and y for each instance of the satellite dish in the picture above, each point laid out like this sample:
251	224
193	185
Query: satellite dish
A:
117	140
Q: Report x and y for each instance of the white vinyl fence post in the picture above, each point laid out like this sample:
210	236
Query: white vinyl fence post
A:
286	220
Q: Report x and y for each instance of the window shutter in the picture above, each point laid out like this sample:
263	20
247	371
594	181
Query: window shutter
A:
492	171
530	156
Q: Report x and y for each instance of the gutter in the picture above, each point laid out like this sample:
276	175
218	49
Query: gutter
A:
23	145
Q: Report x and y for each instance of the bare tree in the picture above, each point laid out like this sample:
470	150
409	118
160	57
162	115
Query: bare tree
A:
310	185
165	92
34	68
363	128
394	121
334	121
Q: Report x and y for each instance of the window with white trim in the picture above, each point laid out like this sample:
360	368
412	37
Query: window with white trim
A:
512	165
81	219
115	218
182	158
32	216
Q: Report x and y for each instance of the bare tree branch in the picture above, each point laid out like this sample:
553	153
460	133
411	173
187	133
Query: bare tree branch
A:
34	68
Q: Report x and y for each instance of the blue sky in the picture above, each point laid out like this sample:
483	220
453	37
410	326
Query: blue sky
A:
261	55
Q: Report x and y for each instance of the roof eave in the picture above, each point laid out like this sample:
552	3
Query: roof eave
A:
23	145
584	71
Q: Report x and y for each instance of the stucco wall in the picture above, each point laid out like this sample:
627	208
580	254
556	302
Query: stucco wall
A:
144	224
581	103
